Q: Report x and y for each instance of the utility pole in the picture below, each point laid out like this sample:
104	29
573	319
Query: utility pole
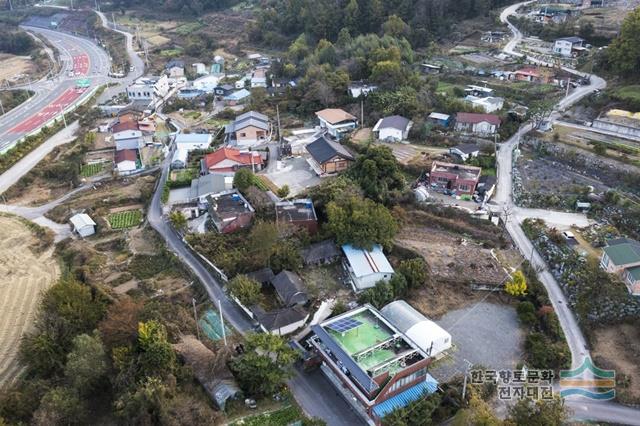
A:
224	333
466	374
1	106
195	316
568	85
64	120
279	130
361	113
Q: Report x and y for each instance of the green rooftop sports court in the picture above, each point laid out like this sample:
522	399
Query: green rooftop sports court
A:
363	333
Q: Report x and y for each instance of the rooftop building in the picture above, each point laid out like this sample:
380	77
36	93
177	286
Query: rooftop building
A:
229	211
373	363
299	213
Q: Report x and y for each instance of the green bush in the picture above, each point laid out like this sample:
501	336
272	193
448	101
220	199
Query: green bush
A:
527	313
143	266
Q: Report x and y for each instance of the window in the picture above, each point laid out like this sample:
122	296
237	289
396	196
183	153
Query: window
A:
408	379
463	187
443	179
243	135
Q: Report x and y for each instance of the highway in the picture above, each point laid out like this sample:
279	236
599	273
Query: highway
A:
79	56
582	408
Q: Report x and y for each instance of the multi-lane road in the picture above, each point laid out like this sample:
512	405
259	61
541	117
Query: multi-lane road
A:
80	59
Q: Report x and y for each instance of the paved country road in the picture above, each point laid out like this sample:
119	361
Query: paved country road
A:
80	59
582	408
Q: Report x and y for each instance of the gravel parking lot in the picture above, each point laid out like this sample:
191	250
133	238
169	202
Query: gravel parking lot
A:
484	334
296	173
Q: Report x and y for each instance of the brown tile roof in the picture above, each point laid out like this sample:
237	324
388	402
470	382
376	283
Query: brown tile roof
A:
123	126
334	115
473	118
126	155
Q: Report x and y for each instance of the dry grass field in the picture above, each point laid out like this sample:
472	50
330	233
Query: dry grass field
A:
12	66
23	275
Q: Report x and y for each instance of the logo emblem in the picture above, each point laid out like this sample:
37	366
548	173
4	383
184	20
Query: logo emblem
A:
588	381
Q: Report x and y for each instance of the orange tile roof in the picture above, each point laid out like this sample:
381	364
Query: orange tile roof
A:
233	154
334	115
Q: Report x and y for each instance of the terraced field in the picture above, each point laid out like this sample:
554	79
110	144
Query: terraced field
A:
23	276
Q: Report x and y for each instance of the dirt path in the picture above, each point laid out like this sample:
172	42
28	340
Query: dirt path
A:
23	276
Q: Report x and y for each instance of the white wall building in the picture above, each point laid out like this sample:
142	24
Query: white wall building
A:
487	104
366	267
83	224
149	89
426	334
187	142
394	128
565	46
207	83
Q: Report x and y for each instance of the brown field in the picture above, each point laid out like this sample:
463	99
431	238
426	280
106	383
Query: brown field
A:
12	66
23	276
617	347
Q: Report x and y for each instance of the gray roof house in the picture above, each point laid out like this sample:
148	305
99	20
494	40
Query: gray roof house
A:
210	184
290	288
465	150
320	253
328	157
394	128
280	321
248	129
263	276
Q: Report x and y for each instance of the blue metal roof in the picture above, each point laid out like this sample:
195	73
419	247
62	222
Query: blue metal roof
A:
406	397
354	369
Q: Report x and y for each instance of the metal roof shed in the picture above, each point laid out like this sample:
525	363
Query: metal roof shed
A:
367	267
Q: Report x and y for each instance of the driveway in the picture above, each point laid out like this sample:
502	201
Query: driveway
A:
294	172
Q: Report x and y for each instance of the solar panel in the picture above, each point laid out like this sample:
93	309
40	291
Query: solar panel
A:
344	324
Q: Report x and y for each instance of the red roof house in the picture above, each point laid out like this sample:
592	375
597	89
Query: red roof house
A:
230	159
124	126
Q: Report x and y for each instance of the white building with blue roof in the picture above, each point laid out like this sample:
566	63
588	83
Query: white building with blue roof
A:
366	267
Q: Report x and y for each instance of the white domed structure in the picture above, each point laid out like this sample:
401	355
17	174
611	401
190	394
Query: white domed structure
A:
426	334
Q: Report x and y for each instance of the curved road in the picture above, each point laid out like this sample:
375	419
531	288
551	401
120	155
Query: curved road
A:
79	56
583	409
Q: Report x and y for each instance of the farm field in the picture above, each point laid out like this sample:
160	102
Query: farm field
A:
24	274
89	170
125	219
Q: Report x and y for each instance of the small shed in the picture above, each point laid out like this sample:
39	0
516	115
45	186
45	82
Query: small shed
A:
83	224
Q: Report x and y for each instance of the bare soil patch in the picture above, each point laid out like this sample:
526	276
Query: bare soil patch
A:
451	257
618	347
13	68
24	274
